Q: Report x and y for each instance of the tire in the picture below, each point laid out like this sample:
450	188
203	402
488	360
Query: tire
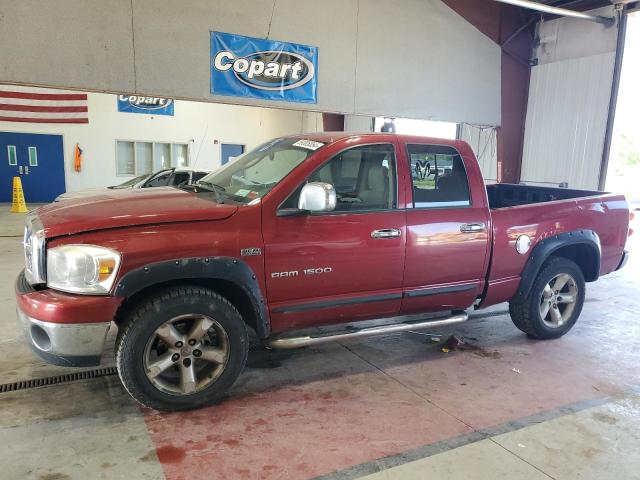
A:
149	340
527	312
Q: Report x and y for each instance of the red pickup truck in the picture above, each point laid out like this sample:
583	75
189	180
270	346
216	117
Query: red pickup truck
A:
304	231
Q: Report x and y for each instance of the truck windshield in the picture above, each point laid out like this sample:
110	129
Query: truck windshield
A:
255	173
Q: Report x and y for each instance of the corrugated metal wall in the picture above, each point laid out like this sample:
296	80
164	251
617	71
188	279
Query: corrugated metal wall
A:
566	121
568	103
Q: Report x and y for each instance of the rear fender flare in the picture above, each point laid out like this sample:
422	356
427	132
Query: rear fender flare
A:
207	268
547	247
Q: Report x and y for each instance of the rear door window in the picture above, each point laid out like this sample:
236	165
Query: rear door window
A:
438	176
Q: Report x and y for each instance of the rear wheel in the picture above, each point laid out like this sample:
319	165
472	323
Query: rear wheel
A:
554	302
181	349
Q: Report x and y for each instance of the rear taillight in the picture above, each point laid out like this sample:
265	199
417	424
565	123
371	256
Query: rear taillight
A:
631	217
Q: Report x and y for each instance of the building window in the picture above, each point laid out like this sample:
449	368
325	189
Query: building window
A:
140	158
33	157
144	158
125	154
161	156
179	155
11	153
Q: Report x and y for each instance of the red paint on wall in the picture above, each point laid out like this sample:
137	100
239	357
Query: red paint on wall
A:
333	122
484	15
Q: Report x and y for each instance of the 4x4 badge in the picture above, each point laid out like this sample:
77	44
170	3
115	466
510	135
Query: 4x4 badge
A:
250	252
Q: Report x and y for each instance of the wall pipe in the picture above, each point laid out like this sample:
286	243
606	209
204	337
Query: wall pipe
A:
559	11
621	11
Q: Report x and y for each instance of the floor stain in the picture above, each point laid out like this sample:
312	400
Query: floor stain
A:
604	418
170	454
591	452
55	476
262	358
479	351
487	354
149	457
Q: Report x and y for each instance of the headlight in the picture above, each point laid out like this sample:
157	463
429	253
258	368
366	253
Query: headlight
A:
34	250
82	269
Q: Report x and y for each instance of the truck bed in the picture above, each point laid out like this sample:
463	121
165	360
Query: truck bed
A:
503	195
542	212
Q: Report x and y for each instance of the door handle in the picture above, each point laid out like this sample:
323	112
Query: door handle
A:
26	170
386	233
472	227
20	169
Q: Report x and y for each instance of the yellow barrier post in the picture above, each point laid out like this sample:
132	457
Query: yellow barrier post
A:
18	205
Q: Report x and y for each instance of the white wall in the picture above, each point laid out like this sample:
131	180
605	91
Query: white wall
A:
197	124
483	141
404	58
312	122
358	123
568	104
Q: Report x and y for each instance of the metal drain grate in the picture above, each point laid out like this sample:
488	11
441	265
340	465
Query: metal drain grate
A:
57	379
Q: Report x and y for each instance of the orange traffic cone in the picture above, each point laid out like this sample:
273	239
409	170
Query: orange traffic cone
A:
18	205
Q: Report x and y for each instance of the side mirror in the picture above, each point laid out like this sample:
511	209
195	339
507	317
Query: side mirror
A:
317	197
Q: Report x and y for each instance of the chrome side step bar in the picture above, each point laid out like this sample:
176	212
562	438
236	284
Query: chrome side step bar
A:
303	341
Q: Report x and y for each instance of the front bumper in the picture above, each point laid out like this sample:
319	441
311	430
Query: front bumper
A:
623	260
67	345
64	329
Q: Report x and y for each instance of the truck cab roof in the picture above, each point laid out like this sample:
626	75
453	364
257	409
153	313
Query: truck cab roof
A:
332	137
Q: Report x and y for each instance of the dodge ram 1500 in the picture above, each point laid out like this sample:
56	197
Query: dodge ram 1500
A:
304	231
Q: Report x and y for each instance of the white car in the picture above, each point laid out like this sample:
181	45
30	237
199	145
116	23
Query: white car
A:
168	177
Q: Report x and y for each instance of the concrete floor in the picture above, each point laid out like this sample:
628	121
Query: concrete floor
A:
392	407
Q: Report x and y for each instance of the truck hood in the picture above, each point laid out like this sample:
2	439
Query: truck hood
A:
89	192
130	207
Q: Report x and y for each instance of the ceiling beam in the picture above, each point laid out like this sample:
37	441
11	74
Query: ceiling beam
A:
559	11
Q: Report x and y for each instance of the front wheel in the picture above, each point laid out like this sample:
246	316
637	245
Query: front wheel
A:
180	349
554	302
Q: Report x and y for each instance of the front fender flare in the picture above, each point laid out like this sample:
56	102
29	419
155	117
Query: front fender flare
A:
547	247
207	268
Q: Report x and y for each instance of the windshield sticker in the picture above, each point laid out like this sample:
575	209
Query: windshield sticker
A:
242	192
308	144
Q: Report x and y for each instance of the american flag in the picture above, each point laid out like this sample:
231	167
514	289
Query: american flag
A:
39	105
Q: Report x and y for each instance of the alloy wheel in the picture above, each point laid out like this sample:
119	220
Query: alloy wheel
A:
186	354
558	300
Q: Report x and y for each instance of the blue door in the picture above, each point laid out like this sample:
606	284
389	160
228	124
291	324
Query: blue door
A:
37	159
230	150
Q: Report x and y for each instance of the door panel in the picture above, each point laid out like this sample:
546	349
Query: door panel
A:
352	267
8	166
40	165
447	232
444	265
344	265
